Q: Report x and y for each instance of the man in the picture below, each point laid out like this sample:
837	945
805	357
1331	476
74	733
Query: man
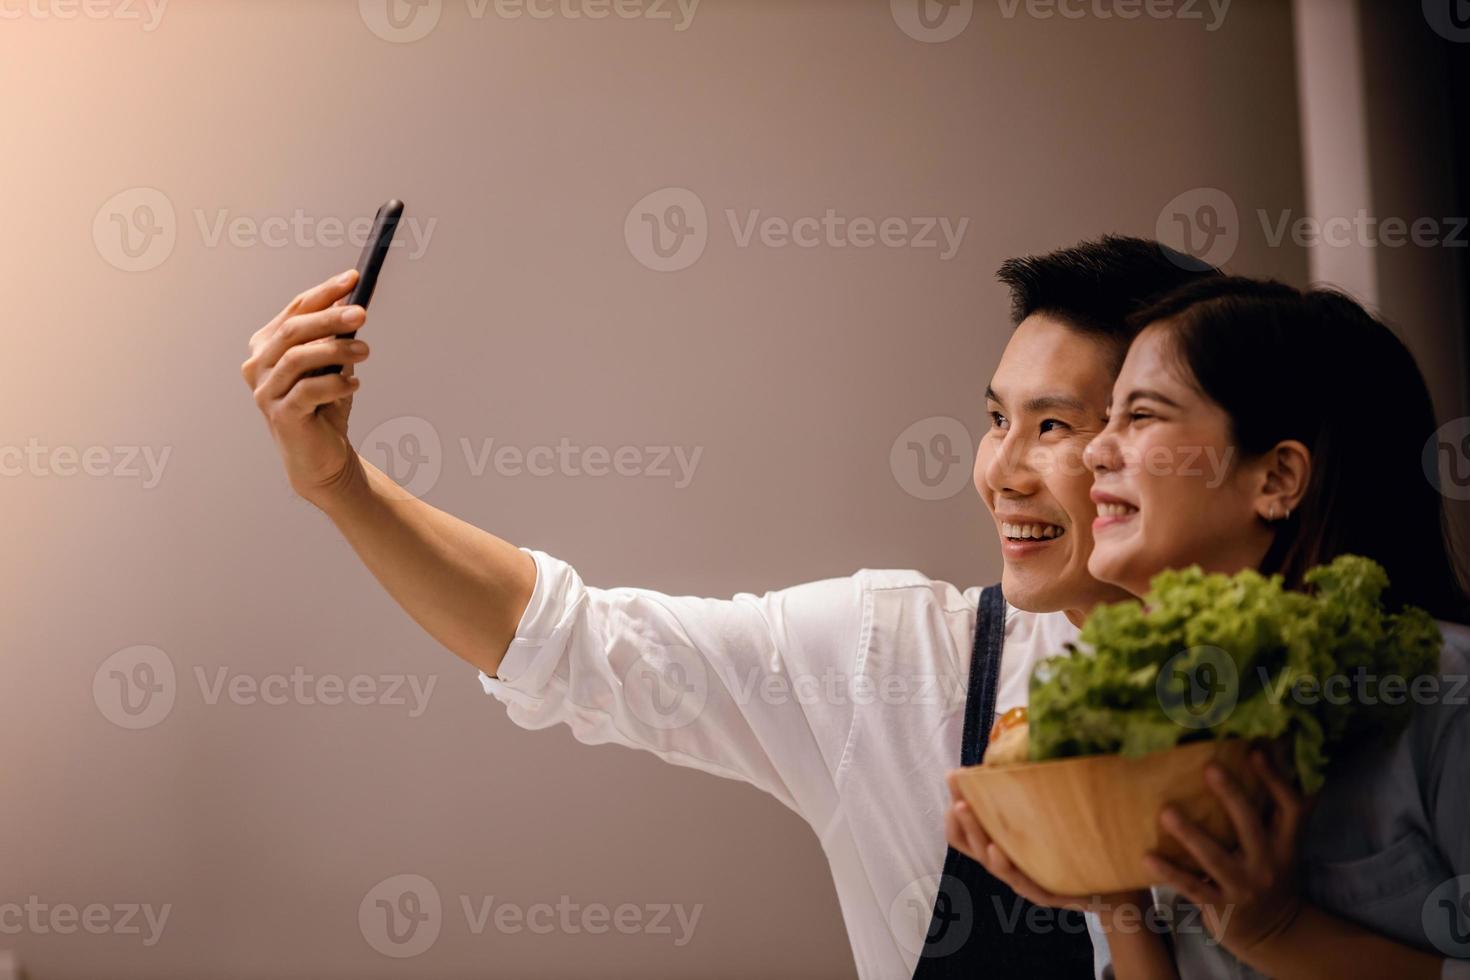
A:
847	699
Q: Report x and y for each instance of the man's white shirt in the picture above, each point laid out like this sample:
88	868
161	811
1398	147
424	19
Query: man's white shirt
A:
842	698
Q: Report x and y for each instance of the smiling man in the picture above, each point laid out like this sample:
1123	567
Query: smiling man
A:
846	699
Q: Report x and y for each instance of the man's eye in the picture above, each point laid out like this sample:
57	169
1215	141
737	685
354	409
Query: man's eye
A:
997	420
1050	424
1139	416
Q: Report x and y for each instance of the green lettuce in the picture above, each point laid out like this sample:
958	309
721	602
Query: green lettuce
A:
1237	656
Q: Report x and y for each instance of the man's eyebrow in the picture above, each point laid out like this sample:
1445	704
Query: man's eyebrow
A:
1047	403
1151	394
1043	403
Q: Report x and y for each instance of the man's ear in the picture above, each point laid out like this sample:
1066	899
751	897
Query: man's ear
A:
1286	469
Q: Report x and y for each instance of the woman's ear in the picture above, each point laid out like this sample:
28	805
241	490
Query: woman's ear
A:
1286	471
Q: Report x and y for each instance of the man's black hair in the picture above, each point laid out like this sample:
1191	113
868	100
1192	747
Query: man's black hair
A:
1095	286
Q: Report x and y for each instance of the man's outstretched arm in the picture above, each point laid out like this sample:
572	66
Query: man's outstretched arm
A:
465	586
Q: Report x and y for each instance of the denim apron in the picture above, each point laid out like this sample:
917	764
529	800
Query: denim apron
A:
981	929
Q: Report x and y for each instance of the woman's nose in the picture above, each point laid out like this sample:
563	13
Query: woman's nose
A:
1101	454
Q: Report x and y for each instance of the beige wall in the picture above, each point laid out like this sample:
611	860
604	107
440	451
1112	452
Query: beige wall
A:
527	319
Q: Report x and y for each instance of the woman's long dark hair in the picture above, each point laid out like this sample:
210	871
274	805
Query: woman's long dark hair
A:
1316	367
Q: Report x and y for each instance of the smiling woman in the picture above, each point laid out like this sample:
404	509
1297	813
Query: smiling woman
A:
1321	412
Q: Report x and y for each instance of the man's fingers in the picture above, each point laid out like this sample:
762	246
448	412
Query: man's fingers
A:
975	836
302	358
320	296
308	394
998	863
305	328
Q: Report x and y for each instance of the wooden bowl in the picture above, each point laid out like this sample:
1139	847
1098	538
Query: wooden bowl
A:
1082	826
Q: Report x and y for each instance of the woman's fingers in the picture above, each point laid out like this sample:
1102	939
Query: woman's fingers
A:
1192	887
1206	851
1249	828
1290	806
297	361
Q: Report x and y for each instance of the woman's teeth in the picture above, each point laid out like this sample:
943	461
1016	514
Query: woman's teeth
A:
1115	510
1020	532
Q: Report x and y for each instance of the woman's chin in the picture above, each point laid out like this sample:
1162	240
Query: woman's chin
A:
1112	565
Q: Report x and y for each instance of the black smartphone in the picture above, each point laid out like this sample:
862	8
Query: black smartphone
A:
369	264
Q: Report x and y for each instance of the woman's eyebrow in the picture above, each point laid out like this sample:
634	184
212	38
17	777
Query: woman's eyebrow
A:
1151	394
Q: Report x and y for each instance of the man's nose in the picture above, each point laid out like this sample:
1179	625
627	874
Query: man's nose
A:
1010	470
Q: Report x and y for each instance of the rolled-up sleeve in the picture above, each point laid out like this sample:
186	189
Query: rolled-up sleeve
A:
755	688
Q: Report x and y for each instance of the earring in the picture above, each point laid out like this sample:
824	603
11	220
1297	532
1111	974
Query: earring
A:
1275	512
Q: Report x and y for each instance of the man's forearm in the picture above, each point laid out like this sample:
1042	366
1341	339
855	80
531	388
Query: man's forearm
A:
465	586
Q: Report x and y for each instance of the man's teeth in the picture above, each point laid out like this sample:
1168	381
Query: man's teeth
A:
1037	531
1115	510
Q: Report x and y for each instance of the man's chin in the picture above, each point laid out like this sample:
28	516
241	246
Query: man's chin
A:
1031	591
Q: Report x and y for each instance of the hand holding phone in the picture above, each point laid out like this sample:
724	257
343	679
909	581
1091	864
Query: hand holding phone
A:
369	264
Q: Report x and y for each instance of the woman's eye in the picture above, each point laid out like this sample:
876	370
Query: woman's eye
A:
997	420
1139	416
1050	424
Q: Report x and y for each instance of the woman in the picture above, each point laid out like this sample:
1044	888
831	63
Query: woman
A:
1321	414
